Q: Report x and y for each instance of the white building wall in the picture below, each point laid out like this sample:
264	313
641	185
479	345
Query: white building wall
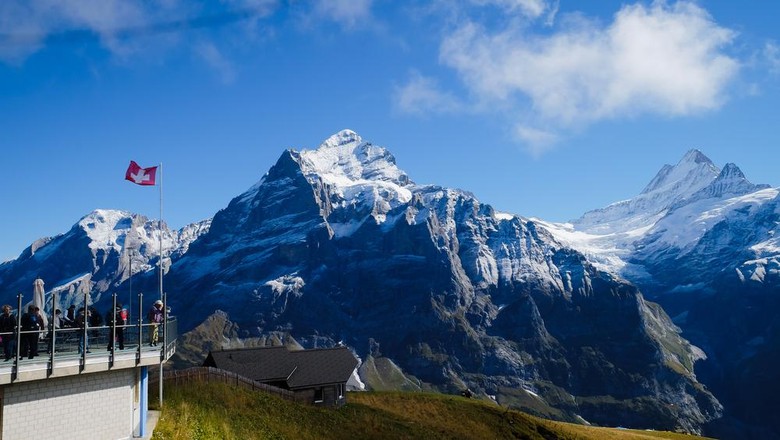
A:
87	406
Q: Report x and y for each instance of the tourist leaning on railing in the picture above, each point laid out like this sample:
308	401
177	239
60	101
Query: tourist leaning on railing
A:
7	332
31	324
155	318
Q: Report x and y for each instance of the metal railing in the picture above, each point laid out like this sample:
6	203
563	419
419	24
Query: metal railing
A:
86	342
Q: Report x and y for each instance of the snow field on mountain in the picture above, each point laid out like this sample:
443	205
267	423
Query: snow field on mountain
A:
686	225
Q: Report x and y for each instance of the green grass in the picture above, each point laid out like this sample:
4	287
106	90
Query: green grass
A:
220	411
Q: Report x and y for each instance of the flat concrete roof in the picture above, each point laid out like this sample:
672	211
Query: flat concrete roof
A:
69	364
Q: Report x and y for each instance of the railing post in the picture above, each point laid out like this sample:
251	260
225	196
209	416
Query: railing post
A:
140	326
53	332
84	342
18	337
112	342
165	328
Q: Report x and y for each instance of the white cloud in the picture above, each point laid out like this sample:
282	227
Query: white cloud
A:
27	25
127	28
537	140
658	59
263	7
421	95
348	13
256	11
30	25
772	56
529	8
122	27
216	60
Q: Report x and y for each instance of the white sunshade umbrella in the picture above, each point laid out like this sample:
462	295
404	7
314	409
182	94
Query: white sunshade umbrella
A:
39	298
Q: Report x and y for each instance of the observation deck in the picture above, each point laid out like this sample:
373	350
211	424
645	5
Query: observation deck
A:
59	352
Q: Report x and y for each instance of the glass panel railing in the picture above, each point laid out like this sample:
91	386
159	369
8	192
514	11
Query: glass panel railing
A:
69	342
103	343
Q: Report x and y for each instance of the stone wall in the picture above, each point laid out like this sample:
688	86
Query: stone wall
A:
96	405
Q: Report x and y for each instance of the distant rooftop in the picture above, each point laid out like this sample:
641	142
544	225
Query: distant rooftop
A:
298	368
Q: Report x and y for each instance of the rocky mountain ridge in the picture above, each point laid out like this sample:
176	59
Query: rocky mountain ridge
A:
97	255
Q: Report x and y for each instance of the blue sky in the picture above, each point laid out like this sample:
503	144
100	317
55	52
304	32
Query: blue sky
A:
540	108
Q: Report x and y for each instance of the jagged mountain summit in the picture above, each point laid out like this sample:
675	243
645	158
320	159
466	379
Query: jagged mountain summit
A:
671	185
666	220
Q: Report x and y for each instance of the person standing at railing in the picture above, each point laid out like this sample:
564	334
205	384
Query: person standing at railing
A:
95	320
70	316
31	323
155	317
117	319
8	330
56	319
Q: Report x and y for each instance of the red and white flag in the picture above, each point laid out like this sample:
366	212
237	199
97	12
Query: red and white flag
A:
140	176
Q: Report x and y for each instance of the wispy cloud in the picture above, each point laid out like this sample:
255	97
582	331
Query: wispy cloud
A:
537	140
27	26
421	95
659	59
772	56
209	53
530	8
348	13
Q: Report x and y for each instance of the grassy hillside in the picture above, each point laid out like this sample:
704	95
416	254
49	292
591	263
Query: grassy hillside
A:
220	411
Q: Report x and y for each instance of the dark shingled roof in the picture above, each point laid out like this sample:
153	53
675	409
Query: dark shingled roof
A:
299	368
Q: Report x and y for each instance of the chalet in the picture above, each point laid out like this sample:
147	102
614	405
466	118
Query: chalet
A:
317	376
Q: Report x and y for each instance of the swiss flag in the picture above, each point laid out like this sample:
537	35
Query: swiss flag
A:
140	176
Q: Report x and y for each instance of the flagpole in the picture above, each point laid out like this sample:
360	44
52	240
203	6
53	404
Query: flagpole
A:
161	231
139	176
165	324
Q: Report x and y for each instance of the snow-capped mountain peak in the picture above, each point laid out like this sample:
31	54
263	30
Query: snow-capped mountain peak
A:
670	186
730	182
344	159
680	212
692	173
106	228
731	169
119	231
695	156
342	138
361	180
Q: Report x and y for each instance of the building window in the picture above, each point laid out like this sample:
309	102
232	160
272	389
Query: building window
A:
317	395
